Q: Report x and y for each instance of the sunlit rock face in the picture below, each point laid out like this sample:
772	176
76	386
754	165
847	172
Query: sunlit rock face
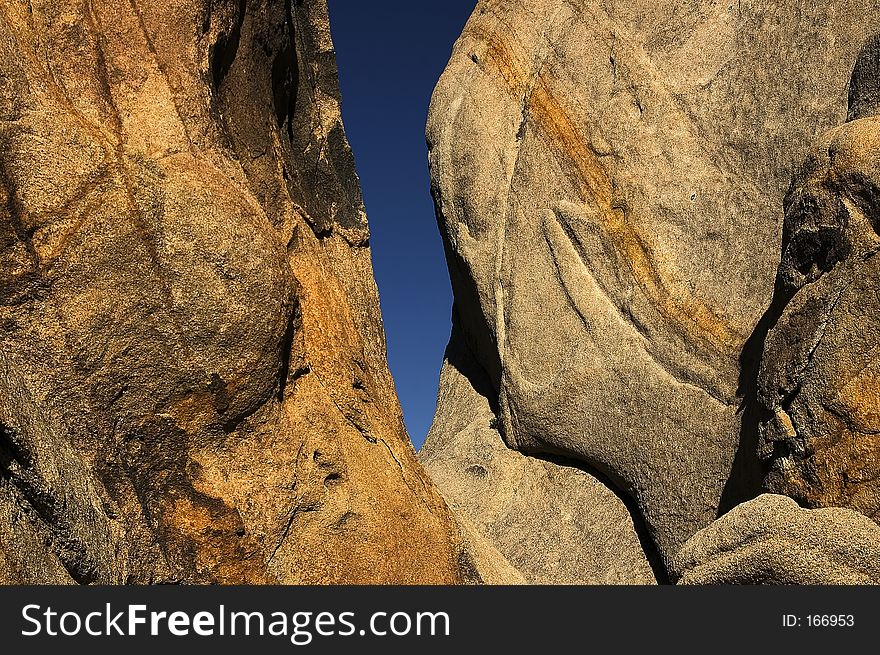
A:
610	181
771	540
817	386
820	373
193	385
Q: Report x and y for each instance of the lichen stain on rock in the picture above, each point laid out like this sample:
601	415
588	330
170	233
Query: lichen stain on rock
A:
571	145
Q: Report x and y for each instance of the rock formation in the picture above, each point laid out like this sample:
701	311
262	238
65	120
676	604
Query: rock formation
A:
609	180
554	521
771	540
820	374
193	384
818	386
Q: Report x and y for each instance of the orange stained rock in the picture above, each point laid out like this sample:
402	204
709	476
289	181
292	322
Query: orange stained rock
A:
571	143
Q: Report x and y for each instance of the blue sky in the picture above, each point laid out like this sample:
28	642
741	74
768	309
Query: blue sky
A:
391	54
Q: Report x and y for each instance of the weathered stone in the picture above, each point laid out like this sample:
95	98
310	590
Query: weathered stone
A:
193	384
820	372
481	562
771	540
609	179
553	521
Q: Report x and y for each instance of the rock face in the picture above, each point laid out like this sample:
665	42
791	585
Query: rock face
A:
552	520
820	373
771	540
609	180
193	384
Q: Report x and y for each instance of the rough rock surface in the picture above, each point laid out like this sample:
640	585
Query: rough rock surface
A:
193	385
553	521
820	373
609	179
771	540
